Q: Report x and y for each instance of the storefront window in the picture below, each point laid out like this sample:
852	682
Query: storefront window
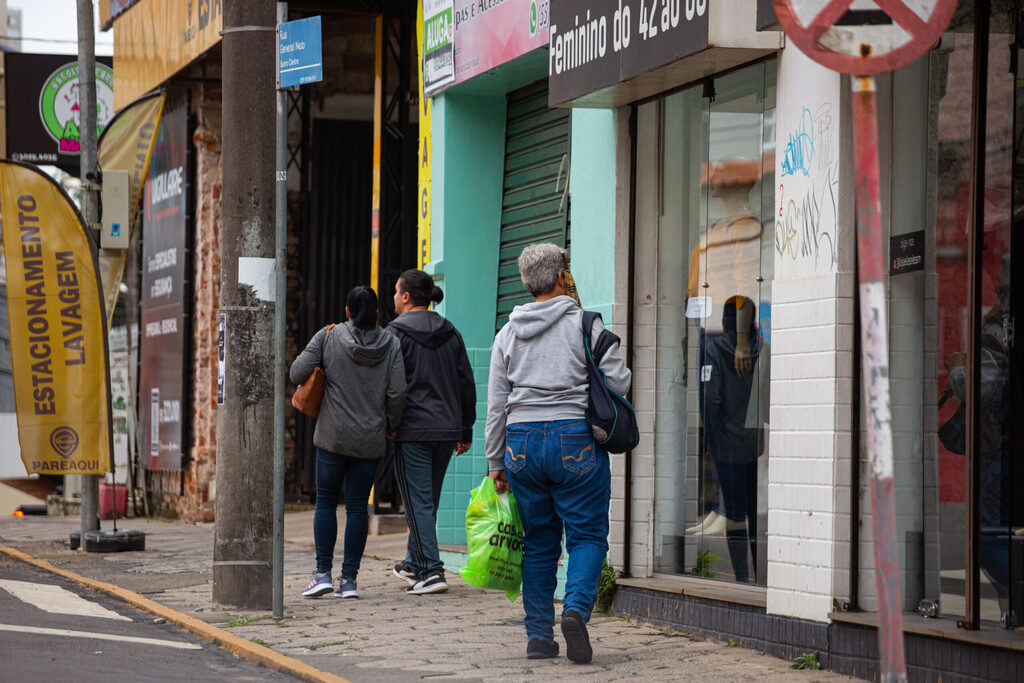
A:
946	511
704	174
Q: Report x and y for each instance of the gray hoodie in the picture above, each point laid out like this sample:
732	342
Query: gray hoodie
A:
365	388
538	370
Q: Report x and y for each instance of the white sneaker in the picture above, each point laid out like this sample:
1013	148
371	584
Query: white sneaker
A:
704	524
434	583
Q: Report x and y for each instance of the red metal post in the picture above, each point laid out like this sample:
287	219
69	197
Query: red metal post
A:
875	377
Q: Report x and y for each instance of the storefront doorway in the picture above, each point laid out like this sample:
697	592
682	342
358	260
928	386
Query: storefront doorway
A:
705	169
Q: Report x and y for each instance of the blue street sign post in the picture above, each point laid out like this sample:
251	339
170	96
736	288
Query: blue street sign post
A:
298	63
299	52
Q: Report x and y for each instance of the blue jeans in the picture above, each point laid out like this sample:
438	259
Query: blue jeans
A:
561	479
419	470
357	474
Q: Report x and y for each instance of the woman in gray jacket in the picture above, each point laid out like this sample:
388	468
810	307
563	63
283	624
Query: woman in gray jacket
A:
364	395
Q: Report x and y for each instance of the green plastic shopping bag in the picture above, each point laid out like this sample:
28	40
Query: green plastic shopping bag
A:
494	534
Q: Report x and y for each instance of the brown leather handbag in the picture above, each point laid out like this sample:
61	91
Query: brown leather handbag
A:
309	394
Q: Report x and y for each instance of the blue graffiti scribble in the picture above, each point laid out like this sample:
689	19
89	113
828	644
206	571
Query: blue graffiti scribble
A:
800	148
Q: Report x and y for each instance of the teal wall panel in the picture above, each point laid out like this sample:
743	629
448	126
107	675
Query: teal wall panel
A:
469	146
592	191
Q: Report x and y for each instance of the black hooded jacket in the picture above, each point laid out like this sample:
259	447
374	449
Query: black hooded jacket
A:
440	402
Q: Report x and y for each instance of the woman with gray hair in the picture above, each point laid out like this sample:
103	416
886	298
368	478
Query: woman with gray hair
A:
539	442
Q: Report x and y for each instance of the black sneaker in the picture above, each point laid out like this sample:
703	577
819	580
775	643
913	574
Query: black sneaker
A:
404	571
434	583
538	649
577	641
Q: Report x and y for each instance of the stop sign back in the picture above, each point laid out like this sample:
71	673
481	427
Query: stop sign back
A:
861	37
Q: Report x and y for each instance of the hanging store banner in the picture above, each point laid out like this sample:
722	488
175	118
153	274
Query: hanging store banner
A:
423	214
127	145
112	9
438	28
162	343
58	337
42	107
489	34
154	39
597	43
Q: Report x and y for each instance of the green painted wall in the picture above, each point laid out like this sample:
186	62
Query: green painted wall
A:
592	192
468	130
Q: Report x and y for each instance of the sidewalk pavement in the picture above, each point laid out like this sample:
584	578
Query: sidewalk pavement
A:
387	635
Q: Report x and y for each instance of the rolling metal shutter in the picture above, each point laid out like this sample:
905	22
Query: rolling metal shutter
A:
535	197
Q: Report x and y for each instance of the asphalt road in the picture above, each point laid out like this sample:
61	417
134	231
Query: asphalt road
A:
52	629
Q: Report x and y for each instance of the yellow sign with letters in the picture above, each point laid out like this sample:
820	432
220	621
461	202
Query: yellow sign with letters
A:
127	145
423	204
57	331
154	39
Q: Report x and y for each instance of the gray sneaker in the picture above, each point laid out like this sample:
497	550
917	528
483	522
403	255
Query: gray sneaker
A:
320	584
346	589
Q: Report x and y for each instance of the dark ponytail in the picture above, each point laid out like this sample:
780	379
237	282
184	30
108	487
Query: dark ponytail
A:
362	307
420	287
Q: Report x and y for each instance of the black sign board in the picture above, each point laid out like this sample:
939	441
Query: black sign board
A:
42	107
162	346
597	43
906	253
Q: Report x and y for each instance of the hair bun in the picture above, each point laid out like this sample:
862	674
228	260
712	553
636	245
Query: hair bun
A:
437	295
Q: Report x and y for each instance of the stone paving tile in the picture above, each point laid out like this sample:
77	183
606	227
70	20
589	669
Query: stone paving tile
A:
388	636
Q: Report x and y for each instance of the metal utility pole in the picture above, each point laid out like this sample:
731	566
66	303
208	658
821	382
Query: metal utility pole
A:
90	513
280	284
245	421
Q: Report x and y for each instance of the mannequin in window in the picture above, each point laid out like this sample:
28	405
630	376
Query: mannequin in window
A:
724	270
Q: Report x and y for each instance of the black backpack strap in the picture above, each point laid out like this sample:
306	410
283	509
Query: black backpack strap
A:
588	322
605	340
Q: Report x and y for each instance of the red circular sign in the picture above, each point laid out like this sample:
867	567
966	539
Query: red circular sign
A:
863	42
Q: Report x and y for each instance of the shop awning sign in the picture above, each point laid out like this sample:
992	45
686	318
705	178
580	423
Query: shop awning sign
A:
593	44
299	52
861	37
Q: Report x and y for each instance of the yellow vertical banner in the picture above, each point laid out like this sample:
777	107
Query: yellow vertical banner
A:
58	336
423	218
127	145
378	99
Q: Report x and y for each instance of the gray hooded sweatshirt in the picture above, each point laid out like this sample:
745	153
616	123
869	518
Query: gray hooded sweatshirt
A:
365	389
539	372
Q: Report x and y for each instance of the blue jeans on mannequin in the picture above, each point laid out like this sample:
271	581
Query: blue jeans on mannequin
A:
561	480
356	474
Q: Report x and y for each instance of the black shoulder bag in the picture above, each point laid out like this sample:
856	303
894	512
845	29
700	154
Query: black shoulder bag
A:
611	416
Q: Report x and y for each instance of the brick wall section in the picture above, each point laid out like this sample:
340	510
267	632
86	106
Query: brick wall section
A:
200	470
809	456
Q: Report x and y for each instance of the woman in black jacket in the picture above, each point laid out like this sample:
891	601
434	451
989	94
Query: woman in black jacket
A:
438	420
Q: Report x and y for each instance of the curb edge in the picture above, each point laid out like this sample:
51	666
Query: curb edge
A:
236	645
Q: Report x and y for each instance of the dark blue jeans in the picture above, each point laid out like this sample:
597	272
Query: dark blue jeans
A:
561	479
356	474
419	471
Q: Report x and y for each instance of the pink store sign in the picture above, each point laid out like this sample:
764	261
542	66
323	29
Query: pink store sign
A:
489	33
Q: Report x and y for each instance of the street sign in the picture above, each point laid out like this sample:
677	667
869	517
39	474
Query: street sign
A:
299	52
864	38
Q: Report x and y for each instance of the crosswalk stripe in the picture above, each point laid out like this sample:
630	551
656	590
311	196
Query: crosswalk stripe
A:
98	636
57	600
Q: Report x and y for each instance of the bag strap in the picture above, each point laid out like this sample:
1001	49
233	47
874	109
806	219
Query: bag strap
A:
606	340
323	344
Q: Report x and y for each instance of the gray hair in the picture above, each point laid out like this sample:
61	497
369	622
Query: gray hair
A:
539	266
